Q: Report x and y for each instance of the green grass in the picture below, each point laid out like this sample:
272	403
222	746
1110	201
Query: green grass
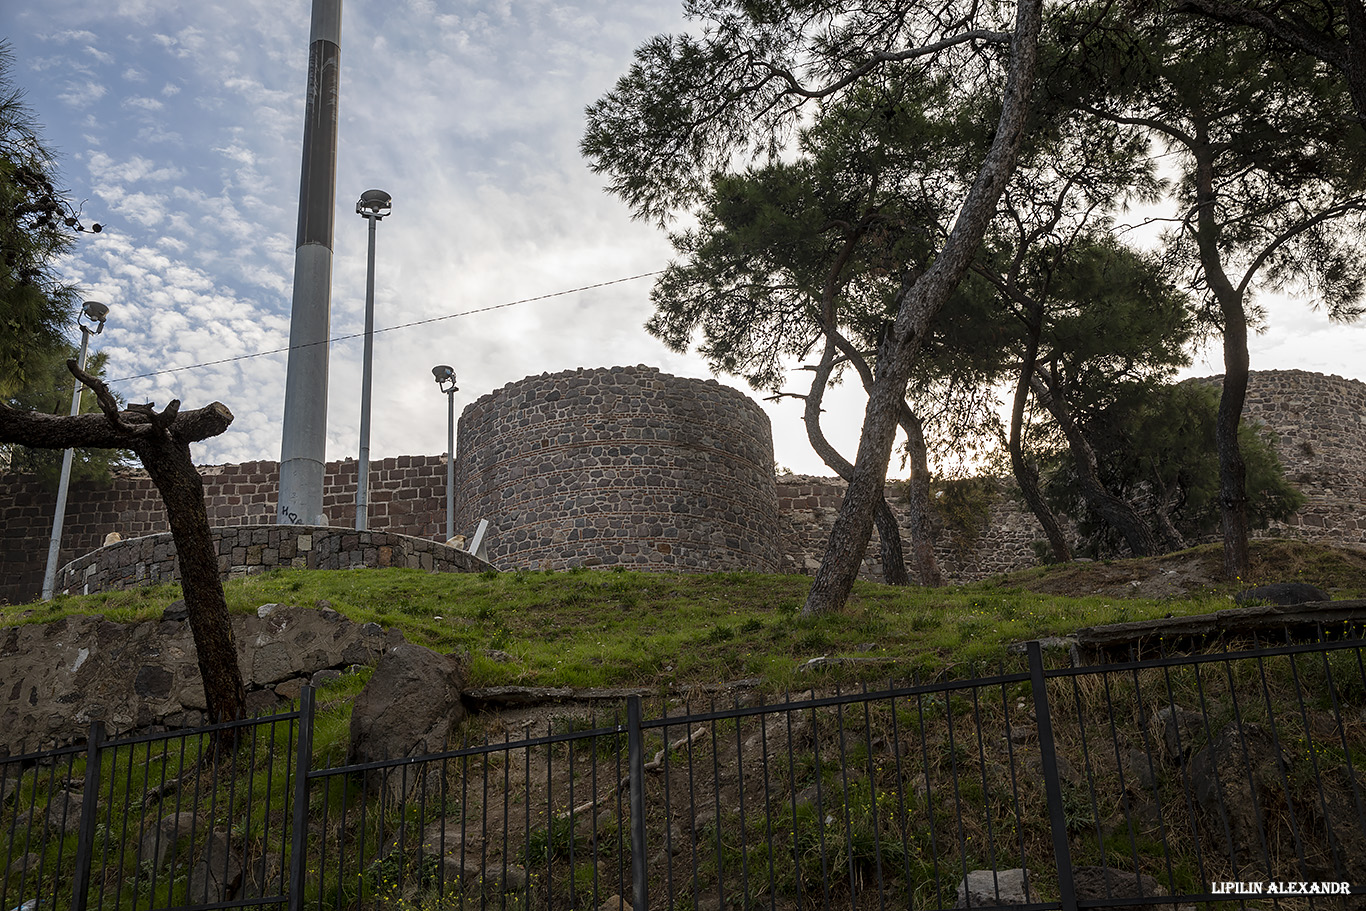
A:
622	628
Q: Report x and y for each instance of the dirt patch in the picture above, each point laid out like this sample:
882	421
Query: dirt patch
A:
1200	571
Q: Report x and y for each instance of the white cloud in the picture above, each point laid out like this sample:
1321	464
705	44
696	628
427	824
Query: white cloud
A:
143	103
80	94
469	114
70	36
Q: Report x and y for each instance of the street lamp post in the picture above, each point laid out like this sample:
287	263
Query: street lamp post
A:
96	313
445	381
372	206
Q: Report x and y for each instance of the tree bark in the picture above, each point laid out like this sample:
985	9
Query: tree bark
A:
917	303
1113	510
1025	474
888	529
162	442
918	498
1232	469
918	490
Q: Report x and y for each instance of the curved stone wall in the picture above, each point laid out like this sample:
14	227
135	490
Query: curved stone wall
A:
245	550
619	466
1319	425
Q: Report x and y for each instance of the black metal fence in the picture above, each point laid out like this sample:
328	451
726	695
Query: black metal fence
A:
1210	778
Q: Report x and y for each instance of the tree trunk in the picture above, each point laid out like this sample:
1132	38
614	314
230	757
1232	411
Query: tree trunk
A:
1356	54
1113	510
1025	474
918	497
922	528
182	491
888	529
1171	535
162	442
1232	470
917	304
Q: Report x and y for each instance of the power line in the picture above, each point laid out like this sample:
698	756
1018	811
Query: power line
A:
421	322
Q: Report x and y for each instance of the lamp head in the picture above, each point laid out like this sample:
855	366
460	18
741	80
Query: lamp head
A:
97	312
374	204
445	378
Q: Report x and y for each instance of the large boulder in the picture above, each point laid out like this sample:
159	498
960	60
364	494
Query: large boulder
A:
59	676
994	888
408	708
1238	781
1286	594
1102	883
218	873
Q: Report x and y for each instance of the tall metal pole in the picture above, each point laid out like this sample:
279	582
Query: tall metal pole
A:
303	446
450	463
445	381
54	543
363	466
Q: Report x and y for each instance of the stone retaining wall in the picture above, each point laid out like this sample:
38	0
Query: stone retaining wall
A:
249	549
407	496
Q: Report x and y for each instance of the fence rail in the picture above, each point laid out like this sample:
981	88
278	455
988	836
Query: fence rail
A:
1159	782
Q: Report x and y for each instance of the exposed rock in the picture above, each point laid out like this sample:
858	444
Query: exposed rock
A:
62	816
218	874
1140	771
982	888
1105	883
290	689
57	677
1283	593
24	864
1237	782
407	708
168	837
493	878
263	877
1180	729
324	677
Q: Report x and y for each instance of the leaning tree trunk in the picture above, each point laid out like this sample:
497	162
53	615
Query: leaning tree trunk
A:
182	491
162	442
888	529
1025	474
1113	510
917	303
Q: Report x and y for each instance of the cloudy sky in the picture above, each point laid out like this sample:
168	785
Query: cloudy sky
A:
180	127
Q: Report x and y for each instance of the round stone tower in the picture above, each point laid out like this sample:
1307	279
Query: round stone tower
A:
619	466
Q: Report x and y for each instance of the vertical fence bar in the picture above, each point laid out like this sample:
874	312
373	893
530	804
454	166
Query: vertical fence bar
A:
298	847
1062	851
85	843
635	749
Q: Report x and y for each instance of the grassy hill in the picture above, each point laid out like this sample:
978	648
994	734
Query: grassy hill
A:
619	628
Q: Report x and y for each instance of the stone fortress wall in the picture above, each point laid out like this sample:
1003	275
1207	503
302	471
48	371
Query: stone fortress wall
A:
619	466
1319	426
1318	421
